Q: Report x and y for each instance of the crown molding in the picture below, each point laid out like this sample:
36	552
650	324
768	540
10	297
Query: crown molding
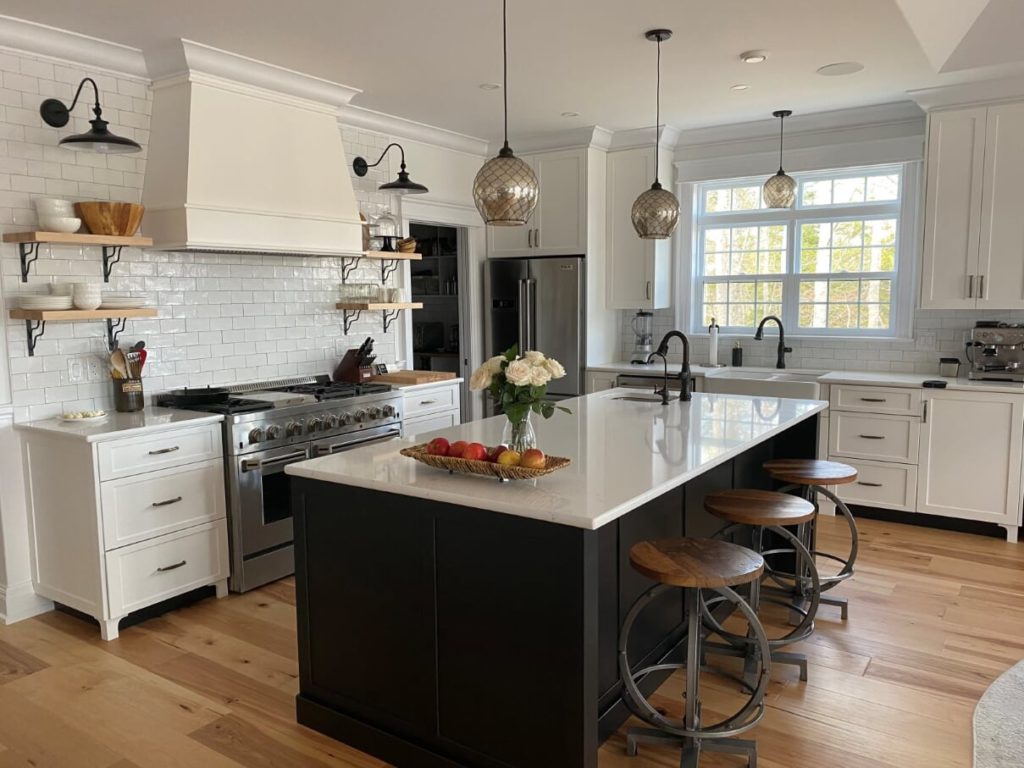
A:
585	137
961	94
352	116
187	57
60	45
638	138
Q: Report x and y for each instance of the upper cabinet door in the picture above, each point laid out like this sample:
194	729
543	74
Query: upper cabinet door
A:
1001	259
956	153
639	271
561	229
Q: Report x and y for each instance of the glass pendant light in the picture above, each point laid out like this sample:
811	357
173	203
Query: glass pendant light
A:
780	189
656	212
505	189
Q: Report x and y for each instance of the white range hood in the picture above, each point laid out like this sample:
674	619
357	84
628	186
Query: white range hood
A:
244	156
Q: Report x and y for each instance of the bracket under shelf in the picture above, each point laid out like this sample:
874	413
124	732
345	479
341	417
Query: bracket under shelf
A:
34	330
25	250
111	255
115	327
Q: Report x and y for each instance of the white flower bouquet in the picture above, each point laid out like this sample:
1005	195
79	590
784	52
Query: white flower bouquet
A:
518	383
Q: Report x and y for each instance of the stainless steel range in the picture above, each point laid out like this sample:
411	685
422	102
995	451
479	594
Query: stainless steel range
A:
269	425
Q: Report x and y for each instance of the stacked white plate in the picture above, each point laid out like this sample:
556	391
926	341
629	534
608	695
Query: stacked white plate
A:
123	301
40	302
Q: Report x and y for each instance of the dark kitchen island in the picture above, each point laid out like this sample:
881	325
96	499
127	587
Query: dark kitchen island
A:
457	621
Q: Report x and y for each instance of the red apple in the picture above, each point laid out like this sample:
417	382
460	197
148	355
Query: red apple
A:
533	458
438	447
455	449
475	452
495	452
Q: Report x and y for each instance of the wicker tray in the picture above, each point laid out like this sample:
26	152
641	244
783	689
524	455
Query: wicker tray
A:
483	468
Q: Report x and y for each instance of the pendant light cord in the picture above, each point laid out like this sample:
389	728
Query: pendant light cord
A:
504	54
782	132
657	113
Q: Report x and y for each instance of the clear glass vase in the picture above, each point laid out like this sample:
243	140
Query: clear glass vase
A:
519	435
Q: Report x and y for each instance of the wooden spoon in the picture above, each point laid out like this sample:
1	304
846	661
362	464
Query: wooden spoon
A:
118	364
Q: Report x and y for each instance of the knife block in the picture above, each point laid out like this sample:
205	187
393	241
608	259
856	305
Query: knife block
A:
349	371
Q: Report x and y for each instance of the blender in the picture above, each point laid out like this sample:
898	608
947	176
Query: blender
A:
643	327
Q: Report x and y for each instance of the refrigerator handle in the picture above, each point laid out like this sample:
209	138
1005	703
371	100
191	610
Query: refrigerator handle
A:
524	305
531	315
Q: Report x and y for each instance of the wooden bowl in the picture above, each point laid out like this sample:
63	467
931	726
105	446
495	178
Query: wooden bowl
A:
118	219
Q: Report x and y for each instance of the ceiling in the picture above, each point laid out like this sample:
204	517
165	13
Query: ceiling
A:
425	60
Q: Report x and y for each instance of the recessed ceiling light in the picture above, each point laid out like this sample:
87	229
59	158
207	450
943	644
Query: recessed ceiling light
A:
490	86
753	57
841	68
570	114
739	87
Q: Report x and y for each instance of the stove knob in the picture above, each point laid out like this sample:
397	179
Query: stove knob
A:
256	434
293	429
389	411
375	413
314	425
331	422
274	432
360	416
345	419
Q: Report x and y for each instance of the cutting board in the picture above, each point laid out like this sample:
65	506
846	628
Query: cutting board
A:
408	378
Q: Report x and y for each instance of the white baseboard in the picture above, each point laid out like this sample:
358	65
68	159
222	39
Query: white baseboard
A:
19	602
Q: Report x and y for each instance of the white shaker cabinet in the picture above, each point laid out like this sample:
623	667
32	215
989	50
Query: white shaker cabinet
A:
431	406
639	271
970	457
558	226
974	233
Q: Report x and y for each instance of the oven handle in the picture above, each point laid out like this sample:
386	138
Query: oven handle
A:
320	450
250	464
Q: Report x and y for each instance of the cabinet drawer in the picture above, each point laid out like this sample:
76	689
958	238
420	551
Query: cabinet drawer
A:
890	400
423	401
157	503
121	458
889	486
154	570
429	423
874	437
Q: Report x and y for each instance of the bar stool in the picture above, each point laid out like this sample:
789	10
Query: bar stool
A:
752	512
811	476
694	565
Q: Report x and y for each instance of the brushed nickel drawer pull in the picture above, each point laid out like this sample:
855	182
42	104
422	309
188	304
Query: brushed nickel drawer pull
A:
166	568
427	402
172	449
168	502
872	400
869	485
872	437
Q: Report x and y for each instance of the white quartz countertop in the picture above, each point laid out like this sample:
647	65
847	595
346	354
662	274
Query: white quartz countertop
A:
425	385
118	425
916	379
623	455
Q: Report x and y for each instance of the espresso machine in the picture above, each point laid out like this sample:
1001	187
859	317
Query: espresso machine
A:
996	351
643	327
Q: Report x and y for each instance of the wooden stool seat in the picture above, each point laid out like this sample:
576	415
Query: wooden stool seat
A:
810	471
753	507
696	563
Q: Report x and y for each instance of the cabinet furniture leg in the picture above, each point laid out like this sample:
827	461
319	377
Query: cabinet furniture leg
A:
222	588
108	628
1011	533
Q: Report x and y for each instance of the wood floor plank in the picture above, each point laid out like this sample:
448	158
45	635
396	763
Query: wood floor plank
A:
15	663
247	745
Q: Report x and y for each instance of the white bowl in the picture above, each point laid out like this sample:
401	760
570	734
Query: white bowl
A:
59	223
87	302
53	206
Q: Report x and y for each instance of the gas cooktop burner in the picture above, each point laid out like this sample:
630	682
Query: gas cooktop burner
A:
232	406
997	324
336	390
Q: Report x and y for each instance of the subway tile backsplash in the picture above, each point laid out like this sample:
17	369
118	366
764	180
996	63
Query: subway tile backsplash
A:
223	318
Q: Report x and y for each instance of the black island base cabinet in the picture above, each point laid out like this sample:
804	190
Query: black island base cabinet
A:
434	636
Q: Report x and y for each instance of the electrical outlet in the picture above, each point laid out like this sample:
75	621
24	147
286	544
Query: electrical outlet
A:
926	340
93	370
76	370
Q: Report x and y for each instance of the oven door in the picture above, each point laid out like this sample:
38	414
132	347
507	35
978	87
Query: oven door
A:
358	440
265	497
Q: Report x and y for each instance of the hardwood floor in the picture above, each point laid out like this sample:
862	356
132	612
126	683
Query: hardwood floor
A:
935	616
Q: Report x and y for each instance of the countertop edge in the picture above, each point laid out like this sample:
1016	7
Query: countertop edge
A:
54	427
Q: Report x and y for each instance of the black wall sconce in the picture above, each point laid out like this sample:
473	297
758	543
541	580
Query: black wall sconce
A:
98	139
402	186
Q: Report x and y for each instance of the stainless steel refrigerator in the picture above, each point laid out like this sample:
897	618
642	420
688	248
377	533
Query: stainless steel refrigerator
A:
538	303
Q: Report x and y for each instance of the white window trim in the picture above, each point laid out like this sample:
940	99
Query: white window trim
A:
909	237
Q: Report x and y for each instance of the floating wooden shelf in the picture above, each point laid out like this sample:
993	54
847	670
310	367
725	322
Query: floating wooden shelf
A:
392	255
29	242
389	310
36	319
359	306
388	262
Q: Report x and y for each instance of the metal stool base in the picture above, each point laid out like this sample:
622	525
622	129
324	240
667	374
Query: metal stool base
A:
792	658
691	748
